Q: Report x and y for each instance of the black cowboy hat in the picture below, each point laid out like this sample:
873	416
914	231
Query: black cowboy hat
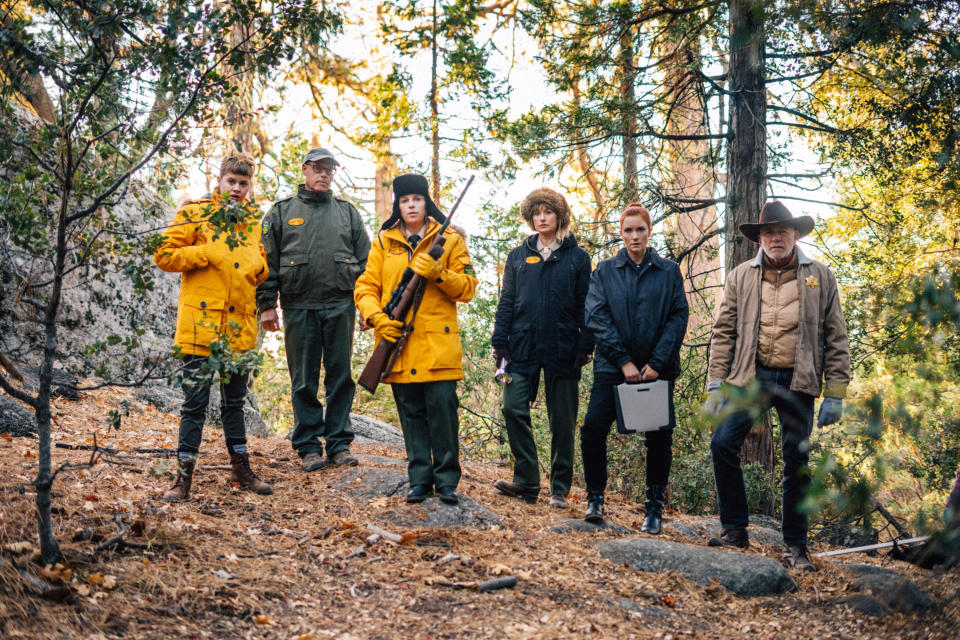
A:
407	184
774	213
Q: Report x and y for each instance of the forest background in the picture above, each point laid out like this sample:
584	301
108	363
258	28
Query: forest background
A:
701	110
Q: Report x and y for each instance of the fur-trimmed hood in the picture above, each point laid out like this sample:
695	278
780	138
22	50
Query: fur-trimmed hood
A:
550	198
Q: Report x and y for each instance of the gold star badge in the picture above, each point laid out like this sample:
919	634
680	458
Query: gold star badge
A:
812	281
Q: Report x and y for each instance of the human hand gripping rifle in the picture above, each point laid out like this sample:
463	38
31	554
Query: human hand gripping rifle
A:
405	297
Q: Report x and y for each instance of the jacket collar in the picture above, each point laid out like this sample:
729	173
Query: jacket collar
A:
307	195
622	259
568	242
801	257
394	233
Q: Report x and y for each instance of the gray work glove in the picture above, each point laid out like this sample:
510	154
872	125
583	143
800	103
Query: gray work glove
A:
830	411
715	400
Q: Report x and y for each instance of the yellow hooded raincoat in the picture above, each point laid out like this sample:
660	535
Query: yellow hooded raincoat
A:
433	351
217	283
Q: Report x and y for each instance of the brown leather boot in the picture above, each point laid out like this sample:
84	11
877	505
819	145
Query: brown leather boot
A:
244	475
798	557
731	538
526	492
181	487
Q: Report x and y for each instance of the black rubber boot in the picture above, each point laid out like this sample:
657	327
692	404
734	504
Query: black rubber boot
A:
594	507
656	497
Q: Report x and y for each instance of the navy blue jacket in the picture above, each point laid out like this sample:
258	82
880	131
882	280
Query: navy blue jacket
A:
637	313
539	319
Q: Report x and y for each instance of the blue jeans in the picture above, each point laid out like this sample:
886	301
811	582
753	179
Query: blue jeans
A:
796	421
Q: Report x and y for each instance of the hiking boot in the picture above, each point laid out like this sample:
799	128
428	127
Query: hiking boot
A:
242	473
594	507
526	492
449	495
798	557
343	459
558	501
313	461
181	486
656	496
731	538
417	493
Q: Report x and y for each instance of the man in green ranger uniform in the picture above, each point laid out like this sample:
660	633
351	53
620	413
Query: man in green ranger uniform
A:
316	248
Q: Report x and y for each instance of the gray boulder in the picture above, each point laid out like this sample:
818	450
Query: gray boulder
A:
572	525
433	513
15	418
368	483
367	429
862	603
743	574
894	591
710	528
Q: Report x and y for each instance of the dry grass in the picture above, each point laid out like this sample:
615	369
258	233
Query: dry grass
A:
230	564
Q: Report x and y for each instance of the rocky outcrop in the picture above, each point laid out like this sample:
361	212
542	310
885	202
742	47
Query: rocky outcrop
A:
742	573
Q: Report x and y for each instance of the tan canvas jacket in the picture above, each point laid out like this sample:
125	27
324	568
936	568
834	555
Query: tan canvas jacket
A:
822	356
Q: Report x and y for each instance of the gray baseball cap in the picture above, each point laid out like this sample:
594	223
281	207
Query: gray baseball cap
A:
315	155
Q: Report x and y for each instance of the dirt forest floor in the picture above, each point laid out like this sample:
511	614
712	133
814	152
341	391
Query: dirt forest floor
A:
230	564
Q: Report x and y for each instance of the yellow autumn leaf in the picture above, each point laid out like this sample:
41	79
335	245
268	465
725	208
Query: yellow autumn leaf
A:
262	618
95	579
501	570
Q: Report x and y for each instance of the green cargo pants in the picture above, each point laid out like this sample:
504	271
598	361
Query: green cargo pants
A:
562	401
431	430
312	337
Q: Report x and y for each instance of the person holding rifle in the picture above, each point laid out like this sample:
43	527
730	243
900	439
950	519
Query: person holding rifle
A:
425	372
539	327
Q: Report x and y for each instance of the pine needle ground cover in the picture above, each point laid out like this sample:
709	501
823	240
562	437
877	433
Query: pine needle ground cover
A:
313	562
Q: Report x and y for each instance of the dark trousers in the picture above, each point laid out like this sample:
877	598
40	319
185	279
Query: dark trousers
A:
193	412
314	337
796	421
601	413
431	429
562	401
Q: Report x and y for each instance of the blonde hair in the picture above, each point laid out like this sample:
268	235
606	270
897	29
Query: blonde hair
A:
238	162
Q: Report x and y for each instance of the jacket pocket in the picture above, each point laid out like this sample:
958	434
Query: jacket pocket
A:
198	322
519	342
568	337
293	273
443	340
348	270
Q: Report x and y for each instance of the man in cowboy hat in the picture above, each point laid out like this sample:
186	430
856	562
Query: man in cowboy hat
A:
780	325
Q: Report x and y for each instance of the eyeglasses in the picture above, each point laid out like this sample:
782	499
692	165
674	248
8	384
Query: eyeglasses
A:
322	168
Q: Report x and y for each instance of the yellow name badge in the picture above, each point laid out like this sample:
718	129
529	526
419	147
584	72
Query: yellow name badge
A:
296	222
533	259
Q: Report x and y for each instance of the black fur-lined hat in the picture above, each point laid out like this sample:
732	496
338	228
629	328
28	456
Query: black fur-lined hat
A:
405	185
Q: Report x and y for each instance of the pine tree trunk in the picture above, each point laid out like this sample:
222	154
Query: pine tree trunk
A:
747	164
49	549
434	116
383	189
627	106
747	150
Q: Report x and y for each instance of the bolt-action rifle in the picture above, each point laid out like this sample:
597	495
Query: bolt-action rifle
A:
405	298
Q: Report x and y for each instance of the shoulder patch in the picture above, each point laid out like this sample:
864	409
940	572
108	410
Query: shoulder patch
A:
468	270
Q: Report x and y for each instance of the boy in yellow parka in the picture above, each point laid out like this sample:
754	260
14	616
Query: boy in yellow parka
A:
424	378
220	266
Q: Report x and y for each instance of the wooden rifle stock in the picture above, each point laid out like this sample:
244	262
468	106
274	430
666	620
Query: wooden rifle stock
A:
405	297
